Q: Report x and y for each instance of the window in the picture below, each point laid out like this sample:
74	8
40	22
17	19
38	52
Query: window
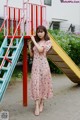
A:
48	2
54	25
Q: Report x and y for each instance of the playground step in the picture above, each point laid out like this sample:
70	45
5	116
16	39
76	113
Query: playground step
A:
7	57
5	68
12	47
1	80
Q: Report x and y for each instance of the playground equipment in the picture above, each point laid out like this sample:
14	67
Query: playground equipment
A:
19	24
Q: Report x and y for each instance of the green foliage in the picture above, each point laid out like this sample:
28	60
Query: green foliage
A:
1	37
74	52
70	43
17	72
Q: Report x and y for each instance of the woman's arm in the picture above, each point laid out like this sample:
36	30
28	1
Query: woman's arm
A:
40	49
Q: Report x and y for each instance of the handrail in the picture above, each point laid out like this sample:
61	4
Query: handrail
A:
2	25
6	54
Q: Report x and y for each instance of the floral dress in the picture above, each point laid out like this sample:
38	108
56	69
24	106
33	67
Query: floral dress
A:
41	80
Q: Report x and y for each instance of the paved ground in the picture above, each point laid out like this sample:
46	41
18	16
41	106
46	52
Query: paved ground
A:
65	105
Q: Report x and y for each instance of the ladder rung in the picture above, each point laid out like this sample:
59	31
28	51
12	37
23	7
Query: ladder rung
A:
1	80
7	57
10	47
4	68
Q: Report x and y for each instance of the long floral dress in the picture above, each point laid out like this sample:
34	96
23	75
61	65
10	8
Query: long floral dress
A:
41	80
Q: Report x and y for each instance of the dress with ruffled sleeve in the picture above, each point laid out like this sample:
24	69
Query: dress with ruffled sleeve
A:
41	80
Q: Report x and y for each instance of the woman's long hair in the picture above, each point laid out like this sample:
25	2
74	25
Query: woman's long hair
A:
39	29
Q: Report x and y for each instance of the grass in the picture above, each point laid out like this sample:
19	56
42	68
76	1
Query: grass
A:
17	72
18	75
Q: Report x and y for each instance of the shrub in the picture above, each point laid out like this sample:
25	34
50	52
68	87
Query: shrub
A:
74	52
71	45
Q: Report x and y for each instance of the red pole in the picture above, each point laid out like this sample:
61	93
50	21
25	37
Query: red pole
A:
14	21
41	16
25	74
9	22
7	14
36	16
31	19
18	21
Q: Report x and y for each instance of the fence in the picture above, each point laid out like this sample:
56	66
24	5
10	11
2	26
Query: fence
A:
33	14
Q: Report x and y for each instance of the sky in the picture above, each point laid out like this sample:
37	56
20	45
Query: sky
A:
68	11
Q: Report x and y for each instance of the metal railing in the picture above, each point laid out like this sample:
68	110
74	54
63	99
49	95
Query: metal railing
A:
6	54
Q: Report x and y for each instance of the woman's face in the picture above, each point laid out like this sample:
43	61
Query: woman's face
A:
41	34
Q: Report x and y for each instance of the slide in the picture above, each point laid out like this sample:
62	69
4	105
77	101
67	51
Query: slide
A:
60	58
10	62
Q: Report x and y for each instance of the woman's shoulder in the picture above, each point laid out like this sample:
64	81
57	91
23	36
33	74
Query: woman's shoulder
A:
48	41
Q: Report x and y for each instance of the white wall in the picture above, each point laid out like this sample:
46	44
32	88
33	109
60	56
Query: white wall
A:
68	11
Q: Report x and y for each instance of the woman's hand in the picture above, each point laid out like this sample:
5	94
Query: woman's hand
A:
30	50
32	38
29	44
40	49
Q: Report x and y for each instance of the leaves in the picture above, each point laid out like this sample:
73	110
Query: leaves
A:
71	45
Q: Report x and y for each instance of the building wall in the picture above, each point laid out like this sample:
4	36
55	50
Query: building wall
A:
68	11
64	27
